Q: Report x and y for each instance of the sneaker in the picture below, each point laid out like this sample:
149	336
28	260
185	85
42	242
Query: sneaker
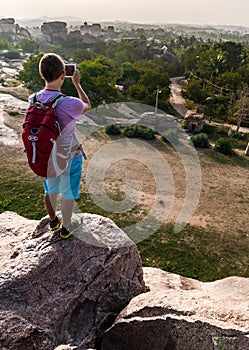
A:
73	227
54	224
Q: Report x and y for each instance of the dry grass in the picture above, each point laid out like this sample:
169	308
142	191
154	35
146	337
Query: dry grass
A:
223	203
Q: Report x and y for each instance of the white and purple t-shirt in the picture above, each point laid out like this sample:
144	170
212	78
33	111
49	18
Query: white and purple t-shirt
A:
68	111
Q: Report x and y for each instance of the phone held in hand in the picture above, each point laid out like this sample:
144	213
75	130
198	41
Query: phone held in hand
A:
70	69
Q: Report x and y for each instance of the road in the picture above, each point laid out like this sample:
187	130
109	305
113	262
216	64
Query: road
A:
176	99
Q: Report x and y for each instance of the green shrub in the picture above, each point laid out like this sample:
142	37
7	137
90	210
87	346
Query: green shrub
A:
222	130
171	136
245	124
209	129
223	145
238	135
112	129
138	131
132	131
200	140
12	54
147	133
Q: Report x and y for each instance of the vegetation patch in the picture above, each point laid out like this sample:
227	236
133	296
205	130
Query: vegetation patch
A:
200	140
224	145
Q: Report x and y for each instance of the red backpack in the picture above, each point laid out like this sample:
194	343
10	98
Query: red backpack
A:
40	132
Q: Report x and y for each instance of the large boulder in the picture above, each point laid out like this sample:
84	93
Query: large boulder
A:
7	25
183	314
12	30
75	36
54	32
56	291
23	33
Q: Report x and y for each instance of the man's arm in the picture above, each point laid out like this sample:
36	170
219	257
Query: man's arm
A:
82	95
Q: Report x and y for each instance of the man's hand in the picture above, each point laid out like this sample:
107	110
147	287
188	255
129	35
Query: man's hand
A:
76	77
82	95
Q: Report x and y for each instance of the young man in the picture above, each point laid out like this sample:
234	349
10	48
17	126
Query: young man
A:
68	111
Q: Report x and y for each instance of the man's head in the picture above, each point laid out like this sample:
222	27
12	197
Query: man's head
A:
51	67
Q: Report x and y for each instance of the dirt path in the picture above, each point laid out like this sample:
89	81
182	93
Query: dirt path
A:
176	99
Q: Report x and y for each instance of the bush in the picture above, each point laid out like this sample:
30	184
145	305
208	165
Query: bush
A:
222	130
209	129
238	135
12	54
223	145
138	131
170	136
112	129
147	133
132	131
200	140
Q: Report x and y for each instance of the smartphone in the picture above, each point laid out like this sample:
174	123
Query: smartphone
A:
70	69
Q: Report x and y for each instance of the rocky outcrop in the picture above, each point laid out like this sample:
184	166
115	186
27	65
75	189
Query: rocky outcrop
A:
75	36
56	291
23	32
168	55
55	32
93	29
90	39
183	314
7	25
12	30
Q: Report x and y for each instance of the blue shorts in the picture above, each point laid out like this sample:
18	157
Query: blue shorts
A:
68	183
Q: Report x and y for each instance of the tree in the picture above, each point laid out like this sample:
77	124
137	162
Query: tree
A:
97	81
232	52
30	73
150	74
4	44
241	107
194	91
229	81
129	75
29	46
80	55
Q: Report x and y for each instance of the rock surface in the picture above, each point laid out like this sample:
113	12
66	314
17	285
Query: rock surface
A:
183	314
7	25
55	32
13	30
56	291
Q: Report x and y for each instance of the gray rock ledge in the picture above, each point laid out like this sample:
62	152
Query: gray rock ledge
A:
56	291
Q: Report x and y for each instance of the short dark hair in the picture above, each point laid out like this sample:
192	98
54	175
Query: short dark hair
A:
51	67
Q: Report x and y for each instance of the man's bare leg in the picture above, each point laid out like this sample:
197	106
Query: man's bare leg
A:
50	202
67	211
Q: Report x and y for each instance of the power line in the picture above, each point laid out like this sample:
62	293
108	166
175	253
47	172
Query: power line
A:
221	88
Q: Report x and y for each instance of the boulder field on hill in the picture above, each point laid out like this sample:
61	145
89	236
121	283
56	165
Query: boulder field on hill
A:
90	292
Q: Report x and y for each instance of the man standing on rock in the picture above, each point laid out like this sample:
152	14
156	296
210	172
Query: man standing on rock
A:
68	111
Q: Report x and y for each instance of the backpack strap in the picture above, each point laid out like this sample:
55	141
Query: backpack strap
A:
33	100
57	99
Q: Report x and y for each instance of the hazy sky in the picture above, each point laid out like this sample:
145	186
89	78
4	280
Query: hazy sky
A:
163	11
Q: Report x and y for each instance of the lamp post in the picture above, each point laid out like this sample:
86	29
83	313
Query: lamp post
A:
157	94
